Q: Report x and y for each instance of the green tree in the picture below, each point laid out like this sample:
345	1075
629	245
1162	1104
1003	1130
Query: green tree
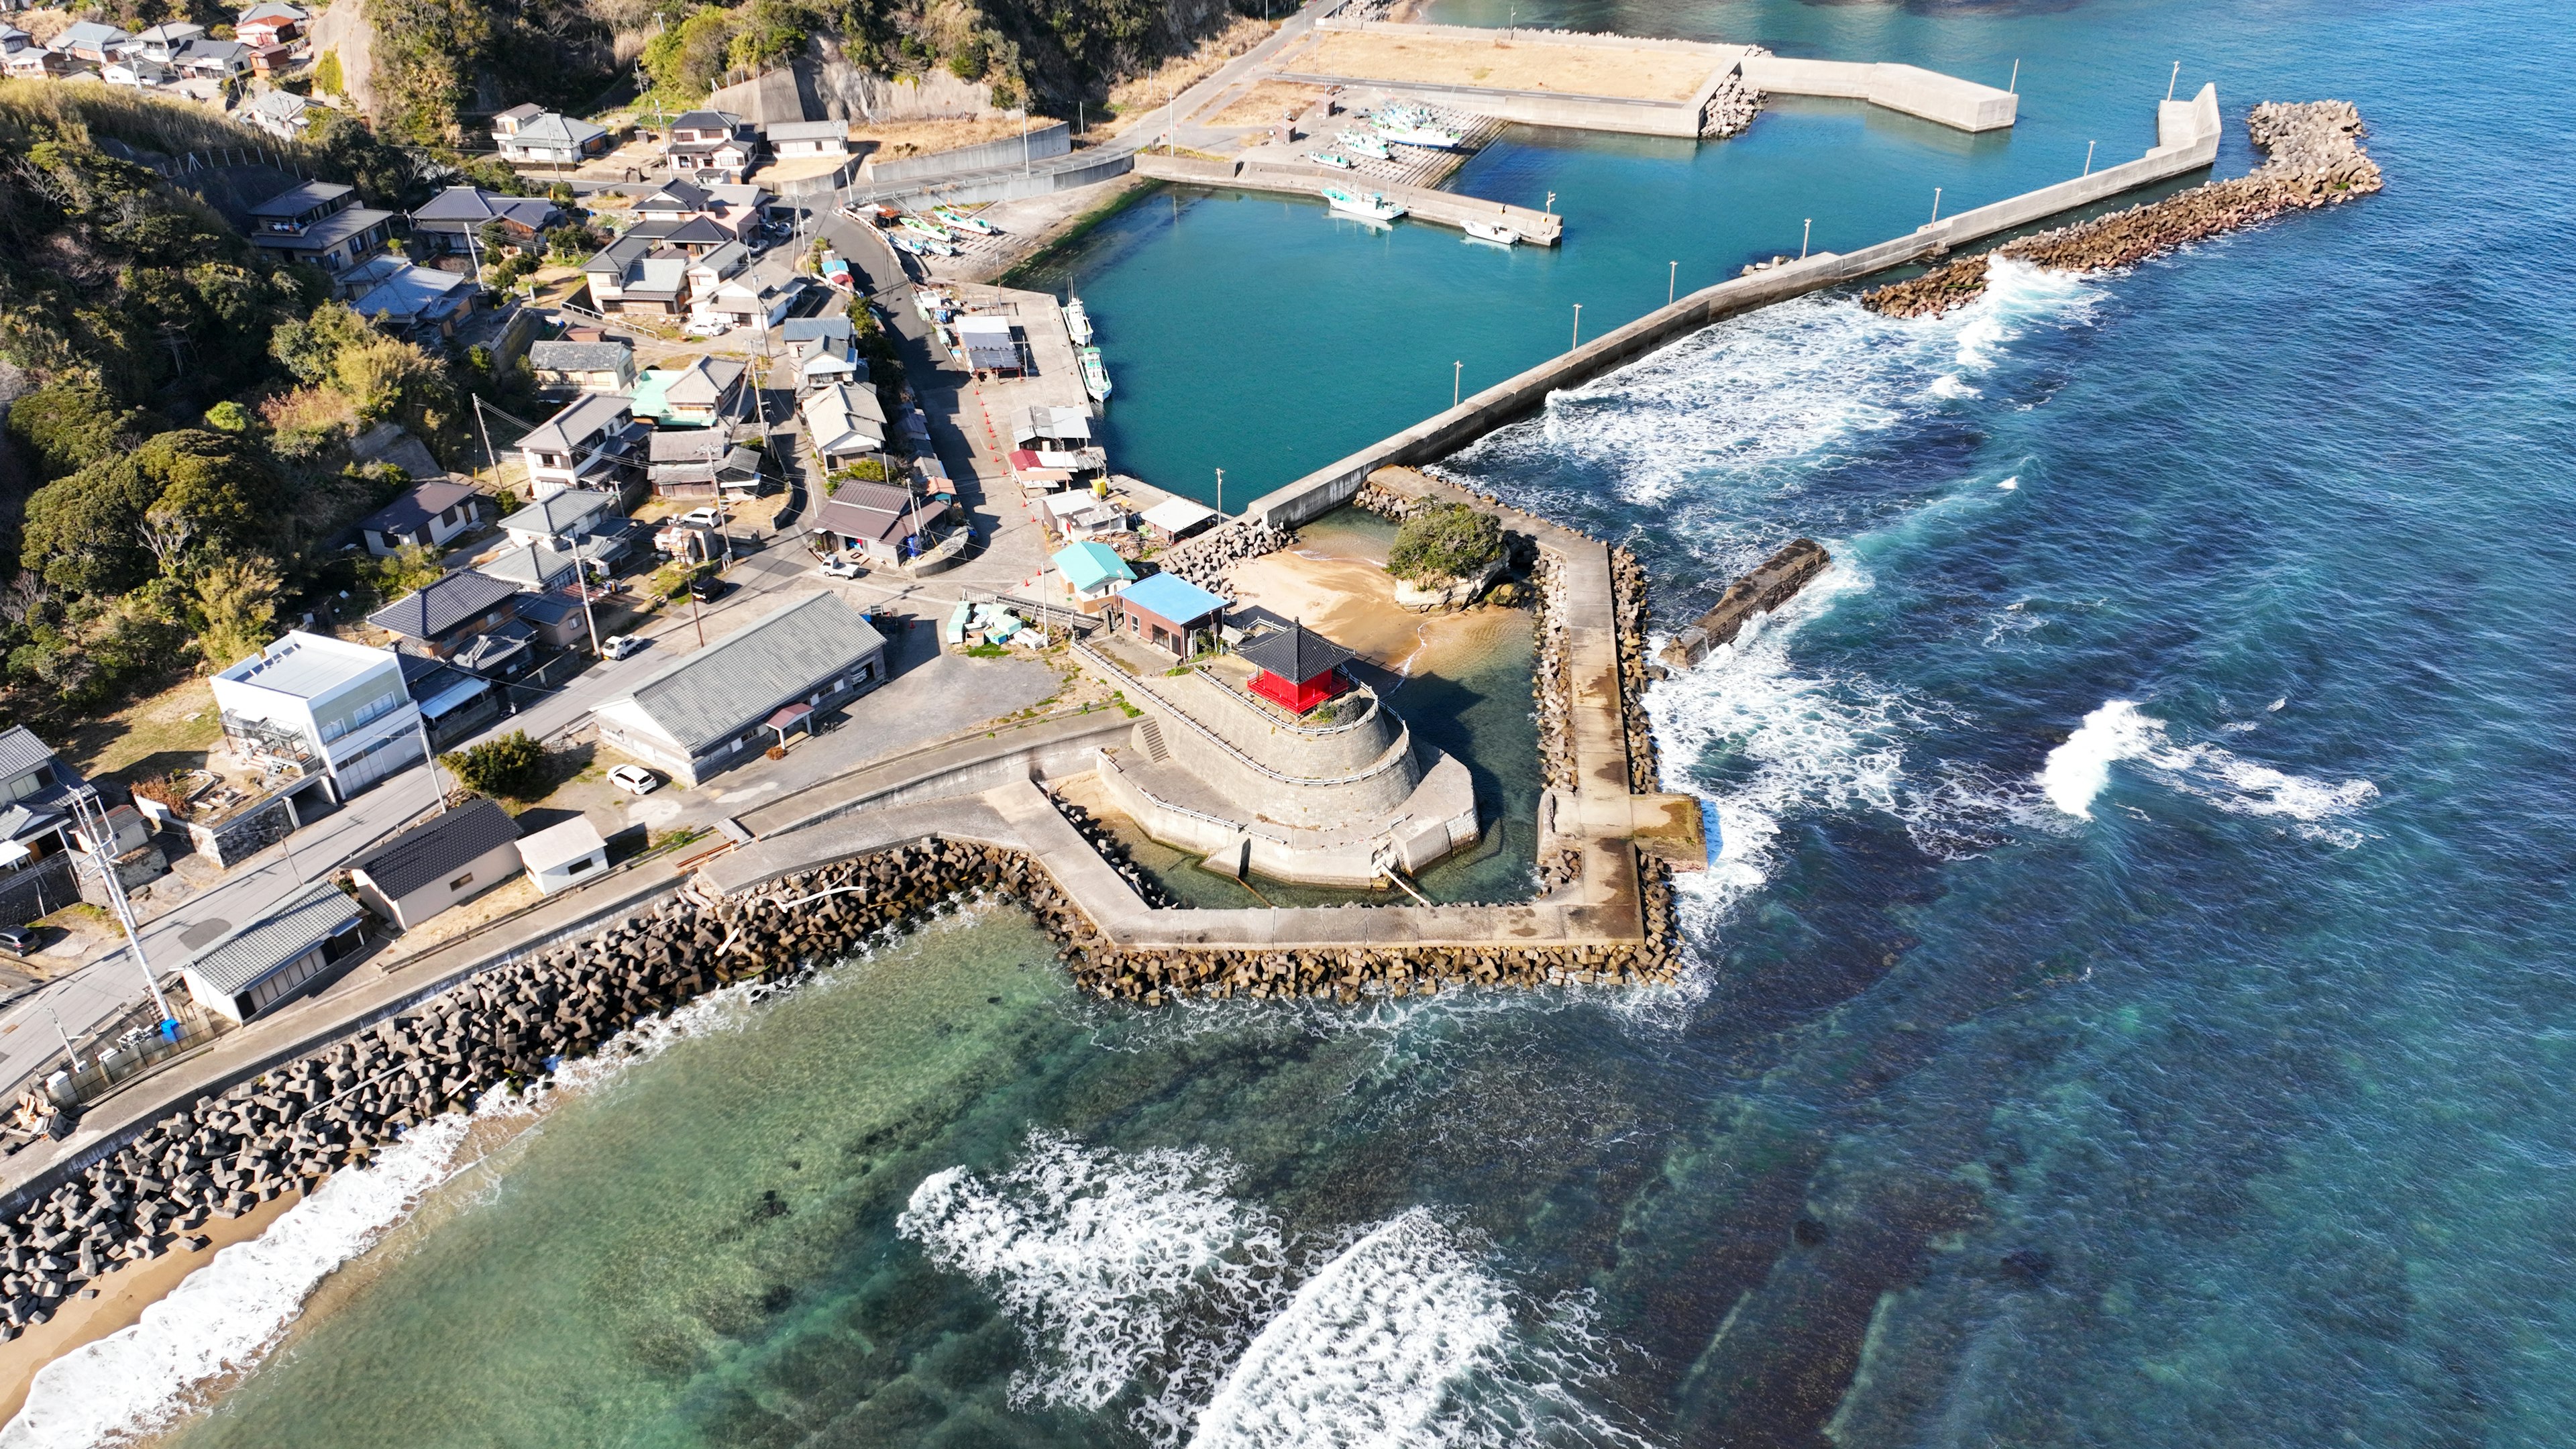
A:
513	765
237	599
1446	541
83	533
228	417
68	425
326	75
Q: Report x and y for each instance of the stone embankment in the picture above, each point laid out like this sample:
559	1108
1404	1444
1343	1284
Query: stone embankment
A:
1113	852
1204	560
1766	588
2314	158
1731	108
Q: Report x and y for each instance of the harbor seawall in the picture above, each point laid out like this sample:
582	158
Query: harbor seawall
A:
2187	134
1962	104
1449	208
1042	144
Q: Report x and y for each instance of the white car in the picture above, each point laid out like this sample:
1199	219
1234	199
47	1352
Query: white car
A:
707	327
841	568
699	518
635	779
618	646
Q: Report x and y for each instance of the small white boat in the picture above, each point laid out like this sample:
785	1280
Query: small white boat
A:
1361	143
1413	126
1095	373
1498	232
922	246
1366	205
1077	322
924	227
1327	158
951	216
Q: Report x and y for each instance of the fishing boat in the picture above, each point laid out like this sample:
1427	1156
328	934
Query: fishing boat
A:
1077	321
1361	143
924	227
1327	158
922	246
1410	126
1498	232
1366	205
951	216
836	270
1095	374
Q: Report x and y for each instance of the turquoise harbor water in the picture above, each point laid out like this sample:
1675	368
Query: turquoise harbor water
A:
2135	1008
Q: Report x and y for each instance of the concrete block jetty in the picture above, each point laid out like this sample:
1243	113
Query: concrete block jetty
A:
2314	158
1448	208
1766	588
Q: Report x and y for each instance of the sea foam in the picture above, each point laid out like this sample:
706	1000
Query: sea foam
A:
2076	772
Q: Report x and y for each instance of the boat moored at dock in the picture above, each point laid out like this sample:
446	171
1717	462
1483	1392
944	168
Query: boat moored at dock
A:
1496	232
1095	373
1413	126
1077	321
1366	205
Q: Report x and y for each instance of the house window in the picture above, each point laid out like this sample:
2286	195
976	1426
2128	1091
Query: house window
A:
578	866
461	882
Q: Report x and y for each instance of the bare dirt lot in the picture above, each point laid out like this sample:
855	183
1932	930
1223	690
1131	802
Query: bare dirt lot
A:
1264	103
895	140
1521	65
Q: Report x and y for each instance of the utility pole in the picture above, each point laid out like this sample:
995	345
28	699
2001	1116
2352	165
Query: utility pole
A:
1220	492
429	757
491	459
67	1039
1672	280
92	820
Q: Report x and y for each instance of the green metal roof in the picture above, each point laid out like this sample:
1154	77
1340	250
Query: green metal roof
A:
1089	565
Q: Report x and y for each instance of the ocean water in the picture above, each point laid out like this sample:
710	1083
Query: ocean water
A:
2133	1009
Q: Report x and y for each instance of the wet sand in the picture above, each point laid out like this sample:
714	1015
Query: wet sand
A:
1336	583
122	1297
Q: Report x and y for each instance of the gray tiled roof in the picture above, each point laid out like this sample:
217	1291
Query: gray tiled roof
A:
416	507
737	681
430	612
21	751
302	922
578	356
675	196
557	512
297	200
581	419
437	848
689	445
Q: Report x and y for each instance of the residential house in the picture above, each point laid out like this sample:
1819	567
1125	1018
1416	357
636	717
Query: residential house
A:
444	861
499	654
12	39
1076	513
212	60
878	520
93	42
319	222
714	708
843	423
277	957
742	302
164	42
507	123
808	138
562	519
551	139
420	299
442	617
700	463
591	443
443	223
138	71
36	62
711	146
1169	613
604	366
632	274
282	114
429	514
673	201
34	787
707	391
456	704
1092	572
712	269
826	350
563	854
1053	428
558	619
312	702
270	24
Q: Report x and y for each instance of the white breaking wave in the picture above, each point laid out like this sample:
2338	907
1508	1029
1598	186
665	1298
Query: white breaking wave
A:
1121	1269
226	1316
1140	1273
2077	771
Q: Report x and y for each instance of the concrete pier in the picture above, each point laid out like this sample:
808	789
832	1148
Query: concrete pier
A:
1448	208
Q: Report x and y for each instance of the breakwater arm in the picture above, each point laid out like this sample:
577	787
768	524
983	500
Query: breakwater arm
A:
2187	134
1766	588
2314	158
1449	208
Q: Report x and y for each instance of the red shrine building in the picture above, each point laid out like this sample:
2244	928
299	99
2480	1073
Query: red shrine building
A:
1298	669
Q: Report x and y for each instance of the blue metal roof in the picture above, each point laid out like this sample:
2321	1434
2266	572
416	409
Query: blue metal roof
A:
1172	597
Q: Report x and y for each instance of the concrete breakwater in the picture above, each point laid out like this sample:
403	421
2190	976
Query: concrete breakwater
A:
1768	587
2314	158
1203	560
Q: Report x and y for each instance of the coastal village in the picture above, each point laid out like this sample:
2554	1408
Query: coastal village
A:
813	595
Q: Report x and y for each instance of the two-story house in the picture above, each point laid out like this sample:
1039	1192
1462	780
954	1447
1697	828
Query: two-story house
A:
310	701
712	146
444	222
319	222
93	42
164	42
550	138
428	515
706	391
270	23
592	443
441	618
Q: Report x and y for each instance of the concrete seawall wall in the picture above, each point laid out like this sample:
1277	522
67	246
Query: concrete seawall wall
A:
2187	140
1042	144
1005	183
1908	88
1538	108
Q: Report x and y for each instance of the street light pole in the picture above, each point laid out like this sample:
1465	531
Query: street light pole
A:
1806	234
1578	328
1457	378
1220	492
429	757
1672	280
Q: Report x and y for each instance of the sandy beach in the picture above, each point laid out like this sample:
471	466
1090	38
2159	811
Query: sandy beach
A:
122	1297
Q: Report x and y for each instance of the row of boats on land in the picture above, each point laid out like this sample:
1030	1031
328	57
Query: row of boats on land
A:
935	235
1398	124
